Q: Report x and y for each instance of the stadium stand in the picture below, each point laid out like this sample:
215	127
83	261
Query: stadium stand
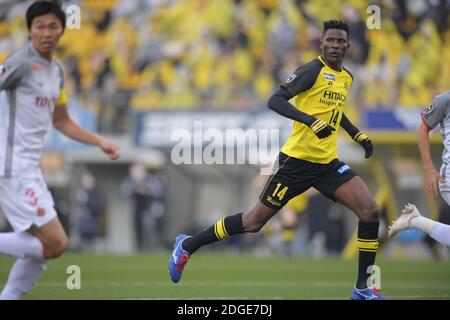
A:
148	54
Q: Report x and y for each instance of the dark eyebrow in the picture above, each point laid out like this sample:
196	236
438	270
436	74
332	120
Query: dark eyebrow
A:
332	38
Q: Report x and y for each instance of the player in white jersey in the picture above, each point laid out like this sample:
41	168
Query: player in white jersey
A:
32	96
437	113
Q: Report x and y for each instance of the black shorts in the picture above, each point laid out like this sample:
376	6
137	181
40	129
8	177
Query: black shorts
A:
294	176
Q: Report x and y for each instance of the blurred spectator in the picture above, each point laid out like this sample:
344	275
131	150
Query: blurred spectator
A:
147	192
90	207
288	222
152	54
326	226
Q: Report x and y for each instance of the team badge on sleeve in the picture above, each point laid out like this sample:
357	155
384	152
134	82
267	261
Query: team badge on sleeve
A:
428	110
290	78
2	70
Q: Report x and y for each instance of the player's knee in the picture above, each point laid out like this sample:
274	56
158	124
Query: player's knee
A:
251	223
370	213
255	227
57	248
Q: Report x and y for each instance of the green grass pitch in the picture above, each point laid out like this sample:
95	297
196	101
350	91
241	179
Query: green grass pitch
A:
231	276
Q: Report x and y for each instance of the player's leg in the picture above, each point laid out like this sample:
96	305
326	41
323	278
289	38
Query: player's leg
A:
23	275
355	195
440	231
411	218
340	183
278	191
185	246
53	238
251	221
26	271
21	245
29	206
38	234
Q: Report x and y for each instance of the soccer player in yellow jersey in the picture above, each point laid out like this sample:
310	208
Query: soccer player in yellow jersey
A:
314	97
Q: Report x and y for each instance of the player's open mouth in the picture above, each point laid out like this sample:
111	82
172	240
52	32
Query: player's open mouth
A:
47	44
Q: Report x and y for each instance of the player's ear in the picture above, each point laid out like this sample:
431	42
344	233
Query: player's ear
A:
62	30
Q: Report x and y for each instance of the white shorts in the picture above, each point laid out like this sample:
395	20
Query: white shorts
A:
26	201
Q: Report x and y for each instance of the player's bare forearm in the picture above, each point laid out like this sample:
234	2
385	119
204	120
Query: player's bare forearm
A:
64	123
424	147
431	175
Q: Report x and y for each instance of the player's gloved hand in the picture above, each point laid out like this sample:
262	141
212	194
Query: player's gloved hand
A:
321	129
365	142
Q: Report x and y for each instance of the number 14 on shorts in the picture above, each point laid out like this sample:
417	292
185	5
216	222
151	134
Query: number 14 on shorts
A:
280	192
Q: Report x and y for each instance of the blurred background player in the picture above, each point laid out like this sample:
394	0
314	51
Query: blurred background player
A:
90	206
147	191
32	96
437	113
309	157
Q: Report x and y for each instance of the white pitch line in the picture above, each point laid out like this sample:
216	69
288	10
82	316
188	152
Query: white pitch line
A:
229	284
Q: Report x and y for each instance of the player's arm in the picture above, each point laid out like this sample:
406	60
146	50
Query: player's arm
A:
303	79
357	135
432	176
64	123
433	115
279	102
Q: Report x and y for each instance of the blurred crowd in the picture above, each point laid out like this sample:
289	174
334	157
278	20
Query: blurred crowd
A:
184	54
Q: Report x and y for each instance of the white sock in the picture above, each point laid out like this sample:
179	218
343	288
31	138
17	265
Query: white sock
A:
422	223
441	233
22	277
20	245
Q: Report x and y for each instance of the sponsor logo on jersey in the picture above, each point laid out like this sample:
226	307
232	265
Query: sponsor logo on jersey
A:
334	95
273	202
329	76
44	102
37	67
290	78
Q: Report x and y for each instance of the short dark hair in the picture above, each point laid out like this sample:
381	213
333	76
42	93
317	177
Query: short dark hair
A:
336	24
43	7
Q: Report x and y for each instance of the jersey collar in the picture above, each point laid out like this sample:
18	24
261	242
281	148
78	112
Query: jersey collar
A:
323	61
36	55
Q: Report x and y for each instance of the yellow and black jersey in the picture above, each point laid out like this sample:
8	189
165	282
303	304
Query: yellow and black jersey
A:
321	92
